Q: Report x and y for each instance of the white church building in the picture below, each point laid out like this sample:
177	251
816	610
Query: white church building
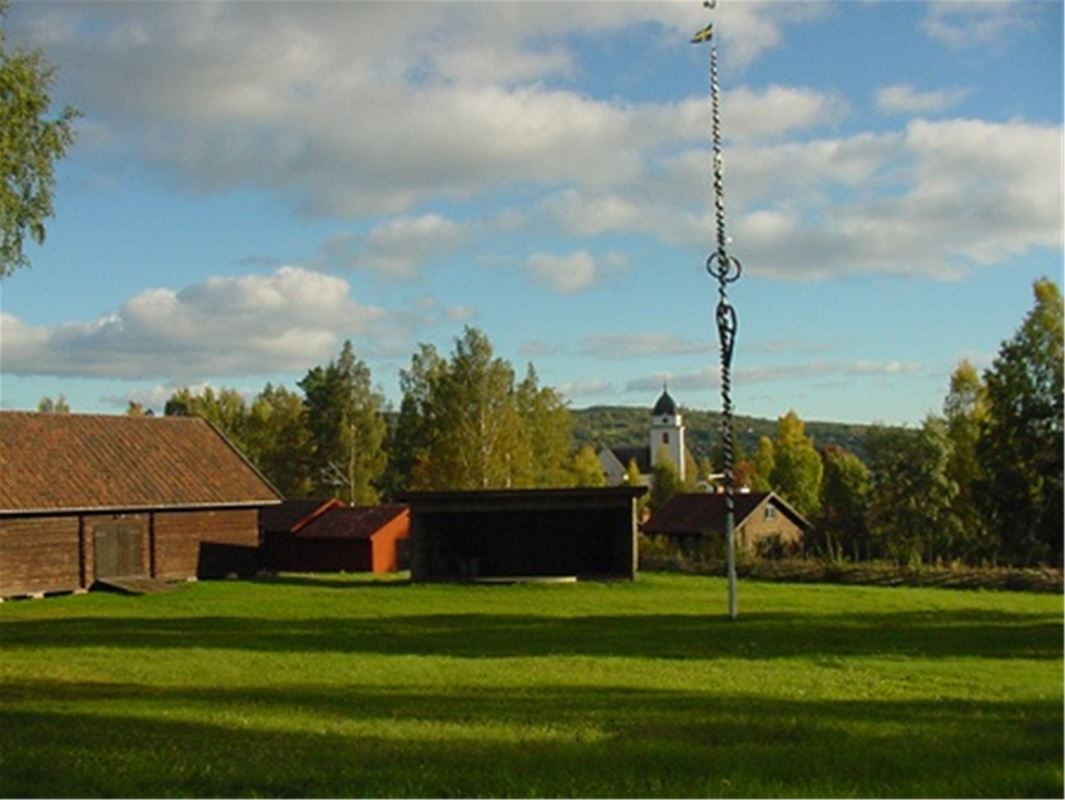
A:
665	440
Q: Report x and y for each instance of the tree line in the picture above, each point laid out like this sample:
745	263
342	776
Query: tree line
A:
464	422
980	483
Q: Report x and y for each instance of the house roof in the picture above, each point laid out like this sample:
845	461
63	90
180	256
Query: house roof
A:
293	514
703	513
642	456
94	462
351	522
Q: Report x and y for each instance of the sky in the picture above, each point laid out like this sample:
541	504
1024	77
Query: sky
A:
253	183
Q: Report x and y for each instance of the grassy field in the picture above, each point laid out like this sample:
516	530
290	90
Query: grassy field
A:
342	686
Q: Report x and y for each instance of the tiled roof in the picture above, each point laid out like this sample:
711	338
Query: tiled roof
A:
287	516
703	513
66	462
351	522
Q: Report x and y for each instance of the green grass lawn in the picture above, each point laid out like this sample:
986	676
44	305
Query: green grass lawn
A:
343	686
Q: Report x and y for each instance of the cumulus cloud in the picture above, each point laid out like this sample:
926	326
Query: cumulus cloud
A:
959	25
933	200
902	99
396	248
252	324
567	273
355	109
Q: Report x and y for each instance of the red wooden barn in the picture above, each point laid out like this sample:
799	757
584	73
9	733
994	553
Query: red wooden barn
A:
327	536
92	497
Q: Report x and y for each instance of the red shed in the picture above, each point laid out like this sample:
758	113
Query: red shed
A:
327	536
86	497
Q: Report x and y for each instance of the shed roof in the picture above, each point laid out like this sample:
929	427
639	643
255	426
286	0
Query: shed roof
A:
702	513
83	462
291	515
351	522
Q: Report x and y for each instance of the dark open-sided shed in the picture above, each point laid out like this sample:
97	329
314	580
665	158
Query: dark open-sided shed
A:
93	497
587	533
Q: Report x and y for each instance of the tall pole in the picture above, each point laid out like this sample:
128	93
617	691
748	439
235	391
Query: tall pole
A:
726	269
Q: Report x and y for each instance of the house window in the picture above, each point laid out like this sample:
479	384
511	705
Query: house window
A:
770	512
665	438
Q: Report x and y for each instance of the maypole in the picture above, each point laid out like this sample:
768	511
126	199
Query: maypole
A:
726	269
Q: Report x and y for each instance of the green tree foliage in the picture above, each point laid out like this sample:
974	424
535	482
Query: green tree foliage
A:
585	469
346	427
764	462
49	406
1021	436
479	441
415	425
225	409
910	513
842	527
278	440
965	413
30	144
797	467
548	431
464	423
665	480
691	471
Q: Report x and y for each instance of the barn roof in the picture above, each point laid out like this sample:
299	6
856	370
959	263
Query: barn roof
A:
701	513
351	522
82	462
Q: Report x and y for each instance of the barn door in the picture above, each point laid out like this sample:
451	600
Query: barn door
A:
118	549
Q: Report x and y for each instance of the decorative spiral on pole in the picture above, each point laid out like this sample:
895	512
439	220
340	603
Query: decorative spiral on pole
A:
725	269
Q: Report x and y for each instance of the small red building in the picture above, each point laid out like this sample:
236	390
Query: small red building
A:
327	536
88	497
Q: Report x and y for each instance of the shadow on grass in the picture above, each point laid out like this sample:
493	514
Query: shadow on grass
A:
604	741
986	634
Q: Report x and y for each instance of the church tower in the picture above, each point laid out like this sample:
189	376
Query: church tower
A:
667	430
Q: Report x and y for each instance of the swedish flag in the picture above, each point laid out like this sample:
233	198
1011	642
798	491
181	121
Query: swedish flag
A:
703	35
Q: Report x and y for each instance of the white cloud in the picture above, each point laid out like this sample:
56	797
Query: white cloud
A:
565	274
933	200
709	377
902	99
587	388
396	248
959	25
243	325
610	346
355	109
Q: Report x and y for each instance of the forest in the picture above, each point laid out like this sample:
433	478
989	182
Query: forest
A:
979	483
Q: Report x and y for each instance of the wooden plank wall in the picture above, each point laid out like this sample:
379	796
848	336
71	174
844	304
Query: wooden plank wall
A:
39	554
178	535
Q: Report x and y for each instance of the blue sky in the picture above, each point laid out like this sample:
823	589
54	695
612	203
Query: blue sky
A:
255	182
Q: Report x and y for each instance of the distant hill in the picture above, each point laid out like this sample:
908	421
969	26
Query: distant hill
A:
627	426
